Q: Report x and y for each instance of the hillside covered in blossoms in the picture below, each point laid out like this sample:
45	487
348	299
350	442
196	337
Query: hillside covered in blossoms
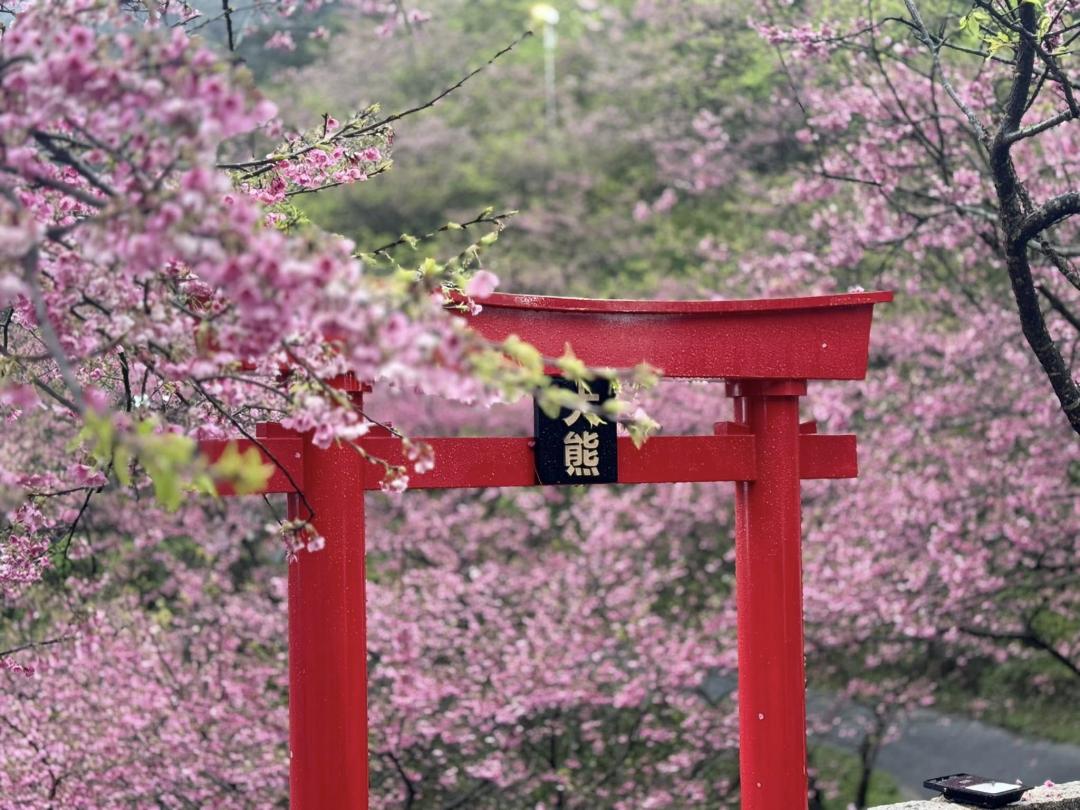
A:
212	214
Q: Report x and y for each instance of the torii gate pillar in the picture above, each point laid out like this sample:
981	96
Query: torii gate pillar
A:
768	583
766	350
328	730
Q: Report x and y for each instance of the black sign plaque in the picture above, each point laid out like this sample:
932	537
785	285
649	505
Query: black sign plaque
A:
572	450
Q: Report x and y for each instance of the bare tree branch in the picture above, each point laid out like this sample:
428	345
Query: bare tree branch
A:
935	49
1046	216
1059	306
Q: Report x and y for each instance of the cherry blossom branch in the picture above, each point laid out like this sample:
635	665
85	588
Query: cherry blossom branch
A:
125	375
1028	638
339	396
410	788
217	406
263	164
33	645
246	381
1029	42
64	157
1019	223
935	50
65	545
404	16
48	334
41	385
294	192
59	185
823	171
58	493
42	752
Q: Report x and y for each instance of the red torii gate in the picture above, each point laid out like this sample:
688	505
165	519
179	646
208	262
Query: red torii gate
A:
765	350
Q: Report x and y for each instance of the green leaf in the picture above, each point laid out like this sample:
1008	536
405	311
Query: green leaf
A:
245	471
122	464
523	353
998	41
615	407
204	485
641	429
166	457
646	376
99	432
973	23
1044	25
571	367
167	488
553	399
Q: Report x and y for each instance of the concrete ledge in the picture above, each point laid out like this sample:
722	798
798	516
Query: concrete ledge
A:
1058	797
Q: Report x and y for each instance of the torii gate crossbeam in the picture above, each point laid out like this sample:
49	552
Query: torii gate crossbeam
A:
766	350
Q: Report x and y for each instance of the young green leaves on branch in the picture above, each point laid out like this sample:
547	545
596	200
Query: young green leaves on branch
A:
994	32
516	367
168	459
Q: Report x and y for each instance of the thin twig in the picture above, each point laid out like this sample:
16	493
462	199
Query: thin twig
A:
254	440
1059	306
33	645
355	133
226	11
488	218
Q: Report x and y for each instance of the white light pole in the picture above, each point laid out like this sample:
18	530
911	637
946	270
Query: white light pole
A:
549	16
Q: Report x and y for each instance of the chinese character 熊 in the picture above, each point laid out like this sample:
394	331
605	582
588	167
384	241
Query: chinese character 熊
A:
581	453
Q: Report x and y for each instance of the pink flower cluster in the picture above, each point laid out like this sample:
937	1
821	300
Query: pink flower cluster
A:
155	283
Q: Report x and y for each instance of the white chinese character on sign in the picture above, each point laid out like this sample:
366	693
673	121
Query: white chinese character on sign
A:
581	453
587	396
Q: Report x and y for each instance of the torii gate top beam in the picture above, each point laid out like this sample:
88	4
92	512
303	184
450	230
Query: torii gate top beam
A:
812	338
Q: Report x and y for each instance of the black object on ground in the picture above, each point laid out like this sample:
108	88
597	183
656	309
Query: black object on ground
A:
979	791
